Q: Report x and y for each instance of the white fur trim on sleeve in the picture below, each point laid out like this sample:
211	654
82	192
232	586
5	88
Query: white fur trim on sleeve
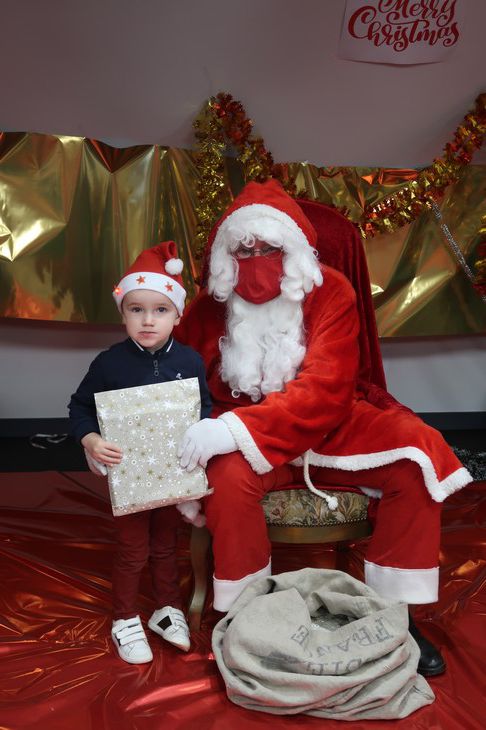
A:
246	443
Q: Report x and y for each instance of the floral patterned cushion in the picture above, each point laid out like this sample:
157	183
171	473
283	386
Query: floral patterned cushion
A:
302	508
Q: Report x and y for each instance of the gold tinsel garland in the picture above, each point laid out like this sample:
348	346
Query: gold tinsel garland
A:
223	121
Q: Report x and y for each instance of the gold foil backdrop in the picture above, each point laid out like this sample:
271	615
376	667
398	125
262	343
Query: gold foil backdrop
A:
74	213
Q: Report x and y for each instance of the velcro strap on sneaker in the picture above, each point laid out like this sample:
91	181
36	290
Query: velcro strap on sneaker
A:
178	618
177	626
134	632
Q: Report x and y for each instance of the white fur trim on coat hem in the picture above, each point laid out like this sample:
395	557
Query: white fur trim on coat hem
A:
415	585
227	591
437	490
246	444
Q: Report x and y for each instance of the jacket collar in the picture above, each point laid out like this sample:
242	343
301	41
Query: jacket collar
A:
162	351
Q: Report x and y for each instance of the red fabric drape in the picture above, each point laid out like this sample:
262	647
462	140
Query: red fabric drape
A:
60	670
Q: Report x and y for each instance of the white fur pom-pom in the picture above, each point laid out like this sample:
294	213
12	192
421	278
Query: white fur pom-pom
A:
174	266
332	503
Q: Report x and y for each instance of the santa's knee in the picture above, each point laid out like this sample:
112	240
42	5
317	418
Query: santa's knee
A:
406	476
405	498
234	484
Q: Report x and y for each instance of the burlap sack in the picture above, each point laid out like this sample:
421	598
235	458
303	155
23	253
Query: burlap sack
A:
322	643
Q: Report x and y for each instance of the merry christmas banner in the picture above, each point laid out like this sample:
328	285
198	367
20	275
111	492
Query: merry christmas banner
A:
400	31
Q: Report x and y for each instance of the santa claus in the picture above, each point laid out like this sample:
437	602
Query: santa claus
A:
279	333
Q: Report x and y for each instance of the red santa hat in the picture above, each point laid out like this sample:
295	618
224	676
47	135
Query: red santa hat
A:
158	269
266	211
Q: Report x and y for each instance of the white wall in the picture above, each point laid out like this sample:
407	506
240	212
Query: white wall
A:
43	363
138	73
438	374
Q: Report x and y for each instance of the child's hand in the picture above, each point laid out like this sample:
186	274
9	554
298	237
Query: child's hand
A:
100	451
99	469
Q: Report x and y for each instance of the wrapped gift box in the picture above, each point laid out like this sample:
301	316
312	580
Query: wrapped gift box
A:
148	424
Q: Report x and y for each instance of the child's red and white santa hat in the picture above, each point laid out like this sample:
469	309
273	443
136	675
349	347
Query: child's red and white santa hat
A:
159	269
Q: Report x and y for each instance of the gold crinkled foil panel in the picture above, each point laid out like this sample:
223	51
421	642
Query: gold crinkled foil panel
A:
75	212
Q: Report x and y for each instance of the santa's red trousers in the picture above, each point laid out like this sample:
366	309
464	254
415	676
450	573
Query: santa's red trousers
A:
150	535
403	552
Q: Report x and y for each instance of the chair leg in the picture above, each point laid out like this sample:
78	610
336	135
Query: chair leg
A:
199	548
342	556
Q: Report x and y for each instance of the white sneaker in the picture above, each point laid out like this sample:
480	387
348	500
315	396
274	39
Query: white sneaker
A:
170	623
130	640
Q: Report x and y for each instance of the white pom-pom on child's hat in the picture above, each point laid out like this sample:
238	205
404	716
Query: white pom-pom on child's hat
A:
159	269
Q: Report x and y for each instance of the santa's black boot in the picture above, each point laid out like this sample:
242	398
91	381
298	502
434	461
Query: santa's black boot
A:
431	661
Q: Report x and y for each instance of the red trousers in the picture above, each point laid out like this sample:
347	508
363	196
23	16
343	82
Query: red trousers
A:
403	553
142	536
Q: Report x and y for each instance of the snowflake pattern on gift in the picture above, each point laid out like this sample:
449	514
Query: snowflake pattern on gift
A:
148	423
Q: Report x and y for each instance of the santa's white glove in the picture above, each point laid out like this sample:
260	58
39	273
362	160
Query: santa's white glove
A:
205	439
95	466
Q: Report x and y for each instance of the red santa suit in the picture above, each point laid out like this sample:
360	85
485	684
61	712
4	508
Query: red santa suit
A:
320	418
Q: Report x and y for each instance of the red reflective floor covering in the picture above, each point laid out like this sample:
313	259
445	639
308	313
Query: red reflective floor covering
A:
59	670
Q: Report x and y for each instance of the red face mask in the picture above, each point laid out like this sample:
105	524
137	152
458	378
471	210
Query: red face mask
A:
259	278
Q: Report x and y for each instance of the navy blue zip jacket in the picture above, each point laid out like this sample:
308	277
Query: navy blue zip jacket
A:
127	365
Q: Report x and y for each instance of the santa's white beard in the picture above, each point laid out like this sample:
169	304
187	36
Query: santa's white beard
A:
263	347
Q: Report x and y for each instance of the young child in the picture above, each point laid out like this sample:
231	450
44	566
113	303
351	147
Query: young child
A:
151	299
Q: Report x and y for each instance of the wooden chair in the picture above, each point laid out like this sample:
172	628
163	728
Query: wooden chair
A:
293	516
296	515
